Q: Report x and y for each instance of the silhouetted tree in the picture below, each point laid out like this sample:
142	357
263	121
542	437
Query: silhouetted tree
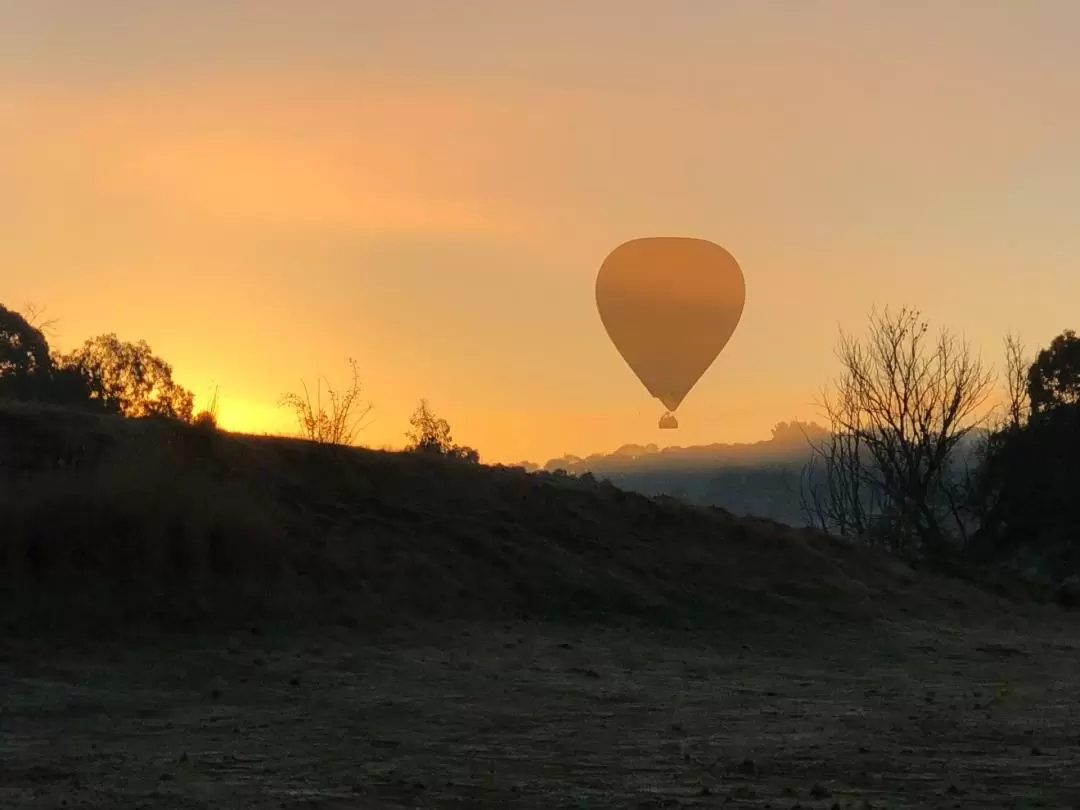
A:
431	434
35	316
25	364
903	404
129	378
27	369
1028	481
1029	484
1017	385
1054	377
335	421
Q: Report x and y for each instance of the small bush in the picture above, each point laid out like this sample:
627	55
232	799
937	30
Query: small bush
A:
431	434
207	418
335	422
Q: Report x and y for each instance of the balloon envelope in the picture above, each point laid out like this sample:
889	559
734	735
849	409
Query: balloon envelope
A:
670	305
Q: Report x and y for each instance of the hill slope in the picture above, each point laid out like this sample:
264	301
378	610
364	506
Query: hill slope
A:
168	518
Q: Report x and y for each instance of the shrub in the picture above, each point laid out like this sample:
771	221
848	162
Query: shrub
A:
337	421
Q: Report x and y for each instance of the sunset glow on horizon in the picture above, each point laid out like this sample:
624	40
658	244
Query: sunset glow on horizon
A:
260	191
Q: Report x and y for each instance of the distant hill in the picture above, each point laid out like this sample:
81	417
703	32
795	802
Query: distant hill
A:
788	443
757	478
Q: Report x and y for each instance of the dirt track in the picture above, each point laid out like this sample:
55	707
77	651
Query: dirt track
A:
534	716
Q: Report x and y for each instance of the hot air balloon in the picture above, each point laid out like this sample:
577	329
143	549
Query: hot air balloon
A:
670	305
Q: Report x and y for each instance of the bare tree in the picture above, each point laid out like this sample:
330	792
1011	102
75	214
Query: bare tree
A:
1016	383
338	420
985	486
897	414
35	316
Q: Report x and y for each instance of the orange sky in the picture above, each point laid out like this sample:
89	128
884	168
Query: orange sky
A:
260	190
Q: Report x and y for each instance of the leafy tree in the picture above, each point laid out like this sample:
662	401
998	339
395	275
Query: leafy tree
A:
27	368
335	422
129	378
1027	483
1054	378
25	364
431	434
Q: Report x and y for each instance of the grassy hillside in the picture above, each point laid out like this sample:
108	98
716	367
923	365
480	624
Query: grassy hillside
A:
104	518
348	628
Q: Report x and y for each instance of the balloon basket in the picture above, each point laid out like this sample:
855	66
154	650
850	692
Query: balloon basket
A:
668	421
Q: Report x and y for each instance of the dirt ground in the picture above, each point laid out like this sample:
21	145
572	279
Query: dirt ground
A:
537	716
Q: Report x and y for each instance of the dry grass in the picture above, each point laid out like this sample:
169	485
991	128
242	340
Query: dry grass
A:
210	524
538	716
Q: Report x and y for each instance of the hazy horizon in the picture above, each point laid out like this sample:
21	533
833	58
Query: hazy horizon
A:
260	191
